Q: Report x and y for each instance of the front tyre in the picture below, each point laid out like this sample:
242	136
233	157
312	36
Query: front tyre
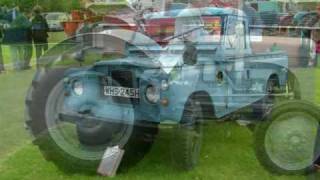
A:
287	142
187	137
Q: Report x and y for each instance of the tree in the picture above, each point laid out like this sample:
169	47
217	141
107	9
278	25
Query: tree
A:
75	4
47	5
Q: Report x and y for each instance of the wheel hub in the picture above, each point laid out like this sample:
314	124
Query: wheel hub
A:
65	136
290	140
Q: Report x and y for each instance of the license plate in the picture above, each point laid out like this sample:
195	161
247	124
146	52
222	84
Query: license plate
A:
121	92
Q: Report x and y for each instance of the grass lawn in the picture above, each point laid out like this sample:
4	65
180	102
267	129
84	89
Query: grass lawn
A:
13	87
227	151
227	147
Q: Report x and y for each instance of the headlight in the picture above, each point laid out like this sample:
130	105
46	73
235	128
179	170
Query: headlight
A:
152	94
77	87
164	85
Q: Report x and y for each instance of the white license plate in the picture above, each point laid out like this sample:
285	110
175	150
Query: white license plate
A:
121	92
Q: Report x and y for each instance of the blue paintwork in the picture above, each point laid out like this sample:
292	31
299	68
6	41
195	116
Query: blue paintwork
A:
208	11
245	77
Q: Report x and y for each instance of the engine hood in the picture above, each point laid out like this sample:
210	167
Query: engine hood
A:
155	56
131	61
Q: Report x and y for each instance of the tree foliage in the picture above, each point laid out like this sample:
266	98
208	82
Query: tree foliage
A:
47	5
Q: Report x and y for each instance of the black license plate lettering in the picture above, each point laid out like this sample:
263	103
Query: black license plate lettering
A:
121	92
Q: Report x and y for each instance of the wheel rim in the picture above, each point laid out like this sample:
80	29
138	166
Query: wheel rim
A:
65	135
290	140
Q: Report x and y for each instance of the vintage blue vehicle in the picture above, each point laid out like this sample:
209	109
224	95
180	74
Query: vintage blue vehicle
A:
207	72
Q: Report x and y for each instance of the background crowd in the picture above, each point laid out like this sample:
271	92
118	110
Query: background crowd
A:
22	31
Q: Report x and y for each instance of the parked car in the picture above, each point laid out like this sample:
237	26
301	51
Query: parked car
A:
207	71
55	19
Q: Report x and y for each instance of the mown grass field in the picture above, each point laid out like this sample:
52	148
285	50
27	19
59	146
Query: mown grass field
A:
227	147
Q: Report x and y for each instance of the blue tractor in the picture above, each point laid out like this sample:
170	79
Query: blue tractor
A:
207	72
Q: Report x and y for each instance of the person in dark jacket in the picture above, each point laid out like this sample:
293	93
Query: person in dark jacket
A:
40	35
28	47
16	36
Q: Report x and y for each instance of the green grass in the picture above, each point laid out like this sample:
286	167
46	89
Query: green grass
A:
227	152
13	136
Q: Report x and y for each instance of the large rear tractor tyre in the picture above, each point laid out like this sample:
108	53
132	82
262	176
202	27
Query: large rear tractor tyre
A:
77	148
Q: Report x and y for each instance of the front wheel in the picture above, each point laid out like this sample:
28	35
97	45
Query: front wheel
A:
287	142
187	139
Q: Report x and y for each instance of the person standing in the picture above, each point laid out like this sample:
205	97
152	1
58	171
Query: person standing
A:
3	12
1	56
250	12
254	21
16	36
40	31
28	46
315	36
